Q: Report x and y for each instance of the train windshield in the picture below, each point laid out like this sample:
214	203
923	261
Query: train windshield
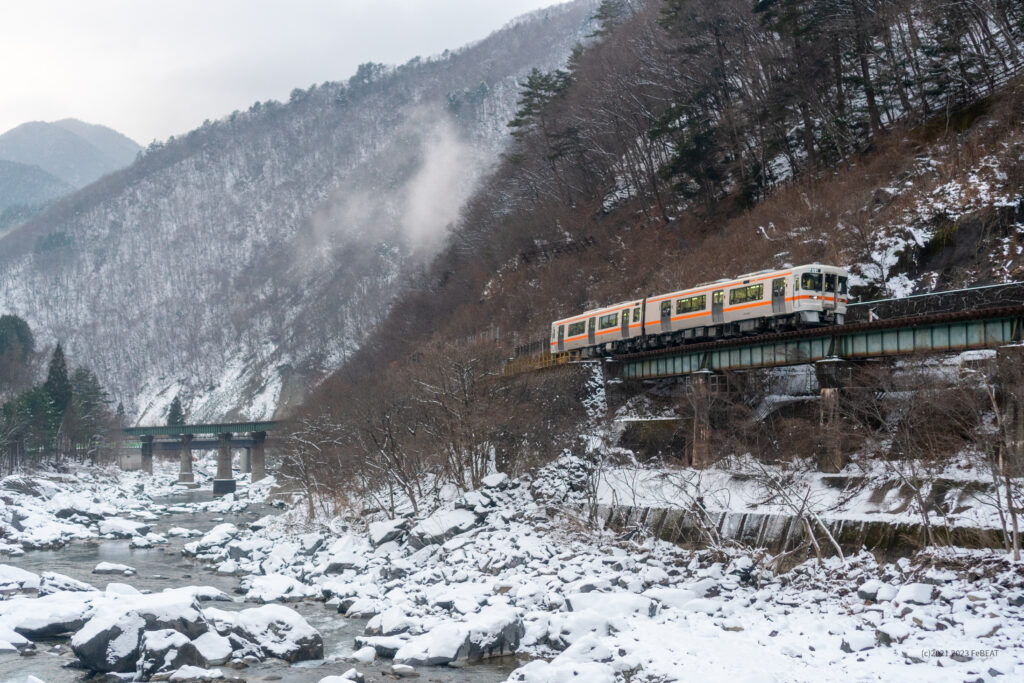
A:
811	282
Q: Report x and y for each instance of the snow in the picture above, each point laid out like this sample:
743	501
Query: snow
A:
277	629
195	673
215	648
582	601
122	528
14	578
915	593
442	525
113	568
273	587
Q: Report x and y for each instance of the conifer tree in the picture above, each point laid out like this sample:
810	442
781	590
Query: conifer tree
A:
175	415
57	384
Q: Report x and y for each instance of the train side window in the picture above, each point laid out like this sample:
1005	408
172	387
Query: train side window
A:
717	297
666	309
561	332
576	329
608	321
636	314
690	304
744	294
779	287
842	285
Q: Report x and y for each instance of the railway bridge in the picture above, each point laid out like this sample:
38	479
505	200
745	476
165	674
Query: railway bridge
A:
990	317
223	437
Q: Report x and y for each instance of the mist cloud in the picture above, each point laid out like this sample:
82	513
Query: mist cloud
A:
438	190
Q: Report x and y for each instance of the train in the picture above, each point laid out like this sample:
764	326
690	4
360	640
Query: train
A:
765	301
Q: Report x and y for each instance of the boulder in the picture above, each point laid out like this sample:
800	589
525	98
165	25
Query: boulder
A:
916	593
52	582
494	631
119	527
214	648
112	638
383	646
855	641
195	674
441	526
892	632
869	589
113	568
17	580
109	643
166	650
388	530
279	632
48	616
213	541
275	587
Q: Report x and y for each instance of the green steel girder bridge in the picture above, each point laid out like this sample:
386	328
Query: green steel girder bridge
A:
987	328
224	437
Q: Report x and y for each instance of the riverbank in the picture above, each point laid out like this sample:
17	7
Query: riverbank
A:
509	568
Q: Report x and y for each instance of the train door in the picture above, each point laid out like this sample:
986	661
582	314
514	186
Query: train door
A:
830	295
561	337
779	295
718	306
592	331
625	324
666	315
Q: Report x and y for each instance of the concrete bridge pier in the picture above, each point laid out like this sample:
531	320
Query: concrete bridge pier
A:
700	396
259	461
245	466
833	375
225	481
185	475
147	454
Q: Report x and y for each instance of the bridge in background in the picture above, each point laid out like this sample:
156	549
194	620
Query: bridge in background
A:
226	437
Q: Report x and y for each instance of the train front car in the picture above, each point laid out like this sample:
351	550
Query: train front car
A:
820	294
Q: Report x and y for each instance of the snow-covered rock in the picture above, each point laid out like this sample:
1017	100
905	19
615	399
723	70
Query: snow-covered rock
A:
493	631
277	630
16	580
113	568
855	641
441	526
388	530
119	527
47	616
166	650
916	593
274	587
111	640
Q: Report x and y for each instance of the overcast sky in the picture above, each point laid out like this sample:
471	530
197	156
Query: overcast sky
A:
151	69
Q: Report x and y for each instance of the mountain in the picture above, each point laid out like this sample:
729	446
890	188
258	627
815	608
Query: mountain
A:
23	186
76	152
238	263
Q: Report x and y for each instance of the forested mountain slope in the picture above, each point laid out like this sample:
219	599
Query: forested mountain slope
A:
236	262
690	142
695	141
26	185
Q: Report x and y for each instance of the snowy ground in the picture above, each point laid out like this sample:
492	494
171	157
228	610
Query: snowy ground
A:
509	567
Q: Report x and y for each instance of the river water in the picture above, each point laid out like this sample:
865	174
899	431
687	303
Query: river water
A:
165	567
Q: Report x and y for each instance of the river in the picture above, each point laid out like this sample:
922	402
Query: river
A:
165	567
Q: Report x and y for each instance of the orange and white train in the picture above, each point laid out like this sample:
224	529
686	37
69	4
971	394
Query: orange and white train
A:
764	301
